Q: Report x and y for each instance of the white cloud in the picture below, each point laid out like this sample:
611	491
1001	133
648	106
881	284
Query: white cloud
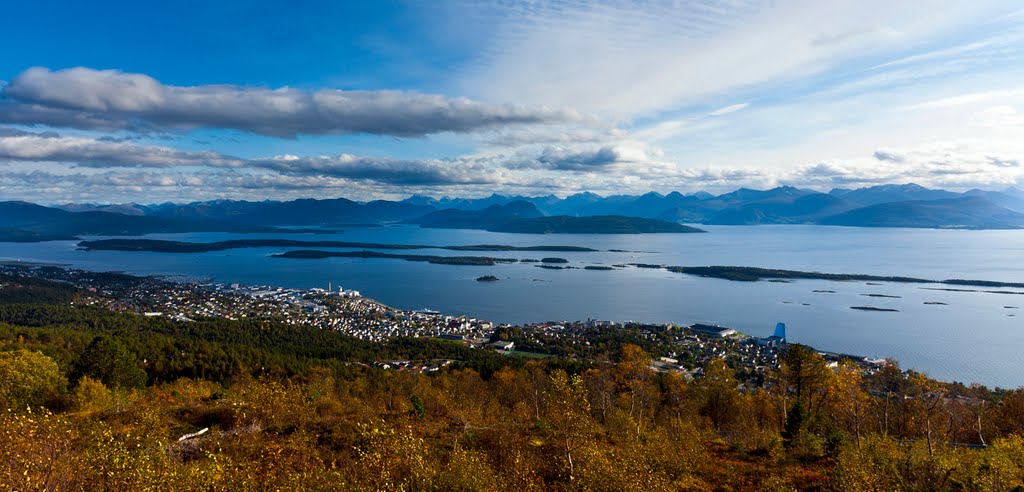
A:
970	99
626	167
104	153
110	99
728	109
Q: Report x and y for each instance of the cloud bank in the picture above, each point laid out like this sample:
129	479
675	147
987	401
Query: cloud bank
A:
50	167
91	99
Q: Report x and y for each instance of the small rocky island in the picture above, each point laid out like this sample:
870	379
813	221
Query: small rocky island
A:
487	278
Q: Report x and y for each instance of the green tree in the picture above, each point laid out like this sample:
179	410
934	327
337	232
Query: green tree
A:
108	360
418	408
29	378
795	422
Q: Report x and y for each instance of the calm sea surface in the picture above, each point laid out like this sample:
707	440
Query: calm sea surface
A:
974	338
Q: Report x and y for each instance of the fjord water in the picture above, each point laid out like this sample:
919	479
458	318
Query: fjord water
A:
974	337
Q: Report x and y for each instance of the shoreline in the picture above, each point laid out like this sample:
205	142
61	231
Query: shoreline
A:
316	300
725	272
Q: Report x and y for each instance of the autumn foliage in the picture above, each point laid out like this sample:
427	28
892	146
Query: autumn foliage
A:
619	426
103	402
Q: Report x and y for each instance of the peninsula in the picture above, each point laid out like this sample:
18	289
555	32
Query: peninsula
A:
440	260
752	274
161	246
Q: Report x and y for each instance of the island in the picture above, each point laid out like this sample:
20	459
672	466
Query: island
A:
487	278
439	260
161	246
598	267
872	308
554	260
646	265
753	274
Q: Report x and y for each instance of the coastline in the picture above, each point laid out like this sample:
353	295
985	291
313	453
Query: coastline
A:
327	309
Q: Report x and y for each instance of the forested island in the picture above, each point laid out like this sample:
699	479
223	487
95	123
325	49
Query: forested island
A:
440	260
752	274
873	308
734	273
162	246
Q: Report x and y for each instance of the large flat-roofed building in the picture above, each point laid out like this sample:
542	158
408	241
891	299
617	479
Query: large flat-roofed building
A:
711	330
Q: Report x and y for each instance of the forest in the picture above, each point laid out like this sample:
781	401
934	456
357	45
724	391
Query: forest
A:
95	399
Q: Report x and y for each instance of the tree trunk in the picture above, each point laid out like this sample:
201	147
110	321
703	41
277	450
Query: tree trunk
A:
568	457
928	435
981	437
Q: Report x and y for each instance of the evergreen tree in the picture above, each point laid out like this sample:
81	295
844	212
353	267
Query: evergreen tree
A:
108	360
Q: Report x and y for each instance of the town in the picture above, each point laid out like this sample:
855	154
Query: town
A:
685	349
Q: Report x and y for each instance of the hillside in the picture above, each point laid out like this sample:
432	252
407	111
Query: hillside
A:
786	209
602	224
478	219
958	213
51	223
297	212
876	195
100	400
10	235
525	218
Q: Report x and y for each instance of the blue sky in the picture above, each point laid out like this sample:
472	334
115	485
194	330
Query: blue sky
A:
120	101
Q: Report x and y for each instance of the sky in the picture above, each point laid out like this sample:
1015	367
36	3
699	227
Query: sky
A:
112	102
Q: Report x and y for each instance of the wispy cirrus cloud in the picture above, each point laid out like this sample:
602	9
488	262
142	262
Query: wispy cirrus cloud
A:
728	109
620	58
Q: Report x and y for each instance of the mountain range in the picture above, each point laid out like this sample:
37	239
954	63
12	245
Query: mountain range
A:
28	222
907	205
524	217
918	206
